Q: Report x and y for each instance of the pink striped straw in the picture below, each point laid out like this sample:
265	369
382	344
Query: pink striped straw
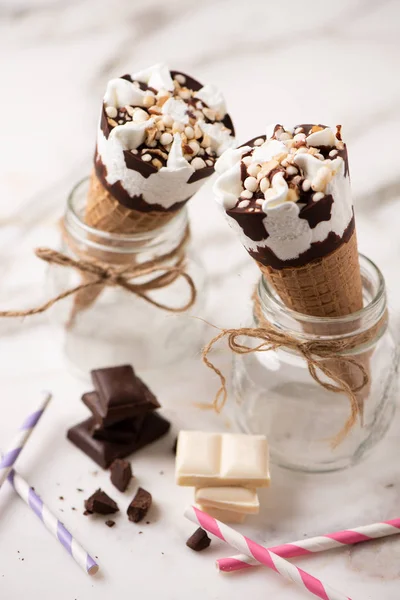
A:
329	541
263	555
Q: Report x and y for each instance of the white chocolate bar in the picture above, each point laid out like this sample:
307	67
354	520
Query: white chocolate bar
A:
225	516
237	499
222	459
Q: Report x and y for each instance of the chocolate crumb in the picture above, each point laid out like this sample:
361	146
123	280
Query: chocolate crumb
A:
198	541
140	532
73	508
175	446
139	506
147	522
389	485
86	513
60	498
101	504
121	474
161	472
79	490
110	523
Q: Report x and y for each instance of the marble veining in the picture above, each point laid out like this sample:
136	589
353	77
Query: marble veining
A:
276	61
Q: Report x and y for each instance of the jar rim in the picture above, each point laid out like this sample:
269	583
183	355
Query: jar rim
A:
146	236
376	304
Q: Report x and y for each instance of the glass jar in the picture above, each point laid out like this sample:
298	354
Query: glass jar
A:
116	326
275	394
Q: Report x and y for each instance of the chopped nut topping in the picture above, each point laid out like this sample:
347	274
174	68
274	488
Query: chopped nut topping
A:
293	183
197	146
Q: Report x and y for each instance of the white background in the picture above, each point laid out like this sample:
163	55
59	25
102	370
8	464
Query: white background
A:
312	61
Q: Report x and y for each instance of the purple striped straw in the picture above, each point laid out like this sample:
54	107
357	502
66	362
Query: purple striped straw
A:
50	521
10	456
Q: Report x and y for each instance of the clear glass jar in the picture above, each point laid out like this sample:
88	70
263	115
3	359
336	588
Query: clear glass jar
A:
118	326
276	395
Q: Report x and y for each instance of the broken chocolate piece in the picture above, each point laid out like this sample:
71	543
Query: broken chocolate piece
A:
121	394
105	430
122	432
104	453
199	540
101	504
121	474
139	506
110	523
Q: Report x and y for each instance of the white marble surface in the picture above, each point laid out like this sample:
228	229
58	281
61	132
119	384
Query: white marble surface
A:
276	61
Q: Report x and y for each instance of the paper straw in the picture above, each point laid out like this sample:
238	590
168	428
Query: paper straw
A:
338	539
263	555
81	557
10	456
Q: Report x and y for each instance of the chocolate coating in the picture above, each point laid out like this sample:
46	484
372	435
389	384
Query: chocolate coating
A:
252	223
317	250
146	169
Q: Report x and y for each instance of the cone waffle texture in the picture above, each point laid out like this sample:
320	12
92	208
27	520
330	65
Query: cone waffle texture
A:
104	212
327	287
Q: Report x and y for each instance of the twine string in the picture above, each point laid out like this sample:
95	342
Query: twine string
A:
117	276
316	353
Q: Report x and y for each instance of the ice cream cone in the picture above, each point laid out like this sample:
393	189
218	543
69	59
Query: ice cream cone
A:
288	197
160	133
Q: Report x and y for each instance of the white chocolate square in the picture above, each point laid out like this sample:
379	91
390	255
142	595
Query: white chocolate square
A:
225	516
243	454
222	459
198	452
237	499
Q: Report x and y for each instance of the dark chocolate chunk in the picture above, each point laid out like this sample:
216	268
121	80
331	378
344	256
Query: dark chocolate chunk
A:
110	523
121	394
198	541
122	432
139	506
121	474
104	453
101	504
92	401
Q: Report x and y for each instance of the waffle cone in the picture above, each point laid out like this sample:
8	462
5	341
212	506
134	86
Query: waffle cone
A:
328	287
105	213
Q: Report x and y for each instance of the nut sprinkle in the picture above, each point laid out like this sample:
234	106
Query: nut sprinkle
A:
294	165
204	131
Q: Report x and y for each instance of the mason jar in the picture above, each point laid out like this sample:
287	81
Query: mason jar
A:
106	325
276	395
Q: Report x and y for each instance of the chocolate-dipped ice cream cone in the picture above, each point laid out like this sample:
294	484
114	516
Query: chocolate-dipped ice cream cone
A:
288	197
159	136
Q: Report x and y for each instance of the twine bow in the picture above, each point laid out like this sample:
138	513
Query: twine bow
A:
318	355
107	275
